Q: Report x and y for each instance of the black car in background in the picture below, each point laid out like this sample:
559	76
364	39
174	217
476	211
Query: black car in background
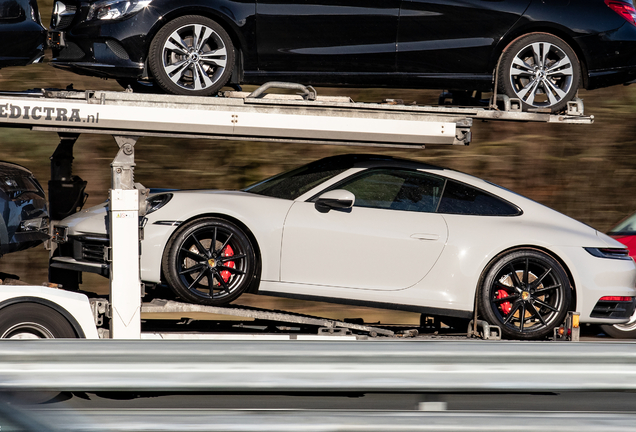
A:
25	220
21	32
540	51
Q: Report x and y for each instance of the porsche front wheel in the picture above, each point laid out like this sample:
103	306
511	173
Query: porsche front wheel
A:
525	292
209	261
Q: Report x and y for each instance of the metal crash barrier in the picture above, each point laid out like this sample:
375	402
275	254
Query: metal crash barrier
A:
316	366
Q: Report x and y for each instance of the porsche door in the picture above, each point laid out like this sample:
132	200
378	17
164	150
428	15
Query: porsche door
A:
388	240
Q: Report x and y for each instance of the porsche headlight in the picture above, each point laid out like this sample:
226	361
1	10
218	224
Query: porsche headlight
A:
115	9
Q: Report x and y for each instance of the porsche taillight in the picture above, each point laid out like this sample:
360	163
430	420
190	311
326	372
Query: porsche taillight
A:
624	9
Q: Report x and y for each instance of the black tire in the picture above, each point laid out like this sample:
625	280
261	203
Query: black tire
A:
525	283
137	86
209	261
33	321
180	67
541	70
621	331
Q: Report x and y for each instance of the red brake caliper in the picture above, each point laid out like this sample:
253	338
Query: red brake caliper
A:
228	252
505	306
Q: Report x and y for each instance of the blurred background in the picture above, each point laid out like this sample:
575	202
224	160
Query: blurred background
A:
587	172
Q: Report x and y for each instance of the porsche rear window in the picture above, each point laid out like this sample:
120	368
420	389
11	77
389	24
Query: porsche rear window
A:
462	199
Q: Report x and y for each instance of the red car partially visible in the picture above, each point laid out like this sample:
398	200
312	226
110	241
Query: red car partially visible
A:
624	232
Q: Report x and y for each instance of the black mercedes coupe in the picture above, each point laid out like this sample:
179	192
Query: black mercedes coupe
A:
539	51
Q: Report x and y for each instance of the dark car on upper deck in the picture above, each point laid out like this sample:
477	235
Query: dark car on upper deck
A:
540	51
24	217
22	34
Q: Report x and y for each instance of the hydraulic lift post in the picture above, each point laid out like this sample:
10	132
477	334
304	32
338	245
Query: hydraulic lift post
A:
123	213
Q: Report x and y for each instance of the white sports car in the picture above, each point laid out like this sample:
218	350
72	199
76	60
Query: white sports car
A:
374	231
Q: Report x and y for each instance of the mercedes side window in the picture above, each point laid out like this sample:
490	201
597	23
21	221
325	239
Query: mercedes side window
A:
395	189
462	199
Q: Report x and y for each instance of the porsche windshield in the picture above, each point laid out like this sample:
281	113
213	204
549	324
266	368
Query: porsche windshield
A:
292	184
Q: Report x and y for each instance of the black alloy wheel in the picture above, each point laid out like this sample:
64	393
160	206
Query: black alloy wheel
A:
191	55
527	293
541	70
33	321
209	261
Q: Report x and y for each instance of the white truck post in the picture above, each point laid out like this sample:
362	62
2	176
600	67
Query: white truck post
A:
123	215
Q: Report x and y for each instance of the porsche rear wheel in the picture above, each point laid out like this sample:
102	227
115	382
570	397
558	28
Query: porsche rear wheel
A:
525	292
209	261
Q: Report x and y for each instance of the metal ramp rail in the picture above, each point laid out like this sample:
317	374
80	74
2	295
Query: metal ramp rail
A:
324	120
324	325
259	116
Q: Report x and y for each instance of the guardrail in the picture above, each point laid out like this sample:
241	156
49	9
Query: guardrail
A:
316	366
329	421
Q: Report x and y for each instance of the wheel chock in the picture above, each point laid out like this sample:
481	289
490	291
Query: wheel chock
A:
489	332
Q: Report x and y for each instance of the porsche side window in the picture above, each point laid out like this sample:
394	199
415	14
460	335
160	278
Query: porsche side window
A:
397	190
462	199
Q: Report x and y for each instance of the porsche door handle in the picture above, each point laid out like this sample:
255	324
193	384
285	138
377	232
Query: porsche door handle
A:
421	236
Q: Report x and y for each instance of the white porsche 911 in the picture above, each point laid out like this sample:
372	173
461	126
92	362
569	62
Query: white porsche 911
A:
374	231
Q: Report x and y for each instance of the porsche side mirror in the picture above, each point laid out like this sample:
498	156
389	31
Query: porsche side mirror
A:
338	199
